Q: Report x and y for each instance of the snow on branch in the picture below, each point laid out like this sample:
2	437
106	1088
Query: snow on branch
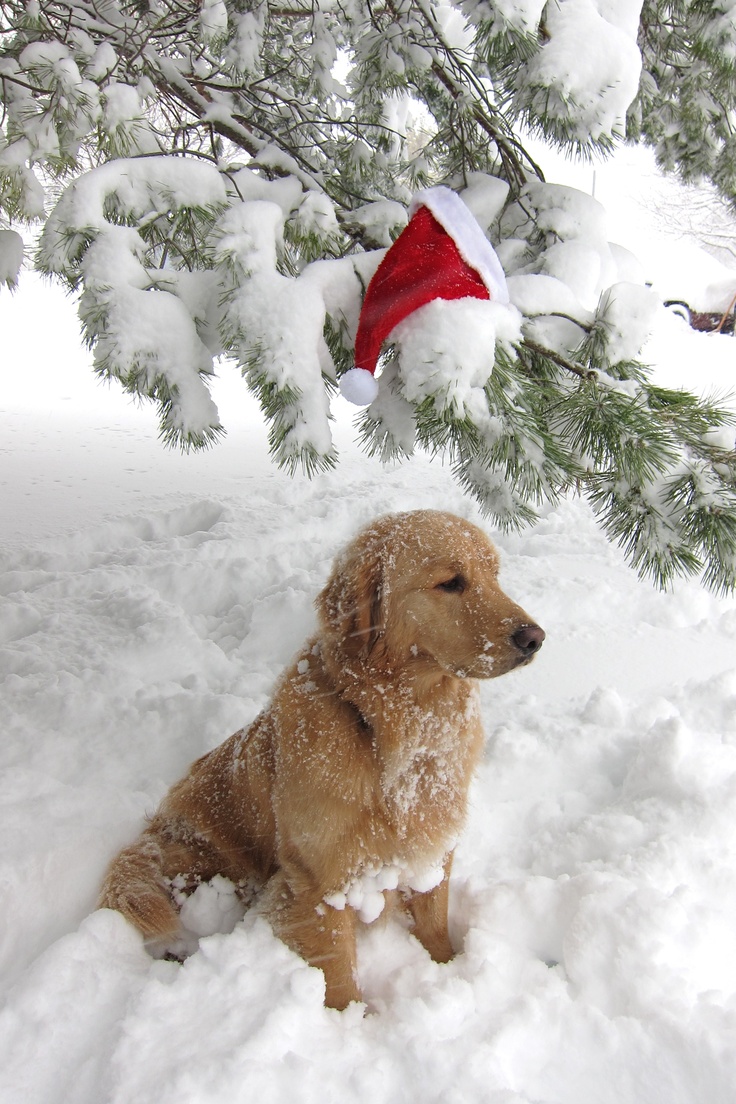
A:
222	179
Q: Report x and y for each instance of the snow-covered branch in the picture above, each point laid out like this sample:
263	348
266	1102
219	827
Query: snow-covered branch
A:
222	179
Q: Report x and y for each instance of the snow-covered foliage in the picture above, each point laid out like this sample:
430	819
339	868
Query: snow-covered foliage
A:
220	180
686	96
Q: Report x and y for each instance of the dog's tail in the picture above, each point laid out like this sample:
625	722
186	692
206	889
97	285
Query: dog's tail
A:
134	885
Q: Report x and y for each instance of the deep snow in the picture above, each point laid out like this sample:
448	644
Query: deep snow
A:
148	603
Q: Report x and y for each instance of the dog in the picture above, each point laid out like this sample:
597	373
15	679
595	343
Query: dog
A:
354	780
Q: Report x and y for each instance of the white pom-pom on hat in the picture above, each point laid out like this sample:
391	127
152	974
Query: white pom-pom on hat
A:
359	386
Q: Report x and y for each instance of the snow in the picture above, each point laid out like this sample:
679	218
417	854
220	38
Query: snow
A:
485	196
149	600
626	312
140	187
244	50
11	257
365	892
441	354
378	219
537	293
213	20
523	15
589	66
123	115
575	249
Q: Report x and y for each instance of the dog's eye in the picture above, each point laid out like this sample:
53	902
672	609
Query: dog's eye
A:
455	585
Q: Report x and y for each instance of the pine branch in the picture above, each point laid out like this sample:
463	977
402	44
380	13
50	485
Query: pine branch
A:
557	358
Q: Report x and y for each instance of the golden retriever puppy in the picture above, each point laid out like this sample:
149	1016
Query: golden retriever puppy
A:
354	780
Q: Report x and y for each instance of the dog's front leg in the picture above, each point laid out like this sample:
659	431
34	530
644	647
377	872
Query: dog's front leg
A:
429	911
322	935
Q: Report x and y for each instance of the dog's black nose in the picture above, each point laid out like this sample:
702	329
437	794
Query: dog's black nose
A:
528	639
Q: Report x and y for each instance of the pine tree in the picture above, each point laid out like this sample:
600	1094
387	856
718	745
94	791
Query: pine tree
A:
221	178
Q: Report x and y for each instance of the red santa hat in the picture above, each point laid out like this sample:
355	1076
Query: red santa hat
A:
441	254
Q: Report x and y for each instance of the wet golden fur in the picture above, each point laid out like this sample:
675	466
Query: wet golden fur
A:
361	761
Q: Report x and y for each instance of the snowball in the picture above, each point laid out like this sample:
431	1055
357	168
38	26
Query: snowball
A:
422	881
388	877
336	900
367	900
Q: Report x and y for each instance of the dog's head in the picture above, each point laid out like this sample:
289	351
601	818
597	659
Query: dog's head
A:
421	588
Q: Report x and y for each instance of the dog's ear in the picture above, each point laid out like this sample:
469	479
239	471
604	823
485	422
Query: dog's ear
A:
351	604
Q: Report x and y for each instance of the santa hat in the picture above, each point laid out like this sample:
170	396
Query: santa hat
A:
441	254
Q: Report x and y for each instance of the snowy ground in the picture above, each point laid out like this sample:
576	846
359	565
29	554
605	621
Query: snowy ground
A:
149	601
